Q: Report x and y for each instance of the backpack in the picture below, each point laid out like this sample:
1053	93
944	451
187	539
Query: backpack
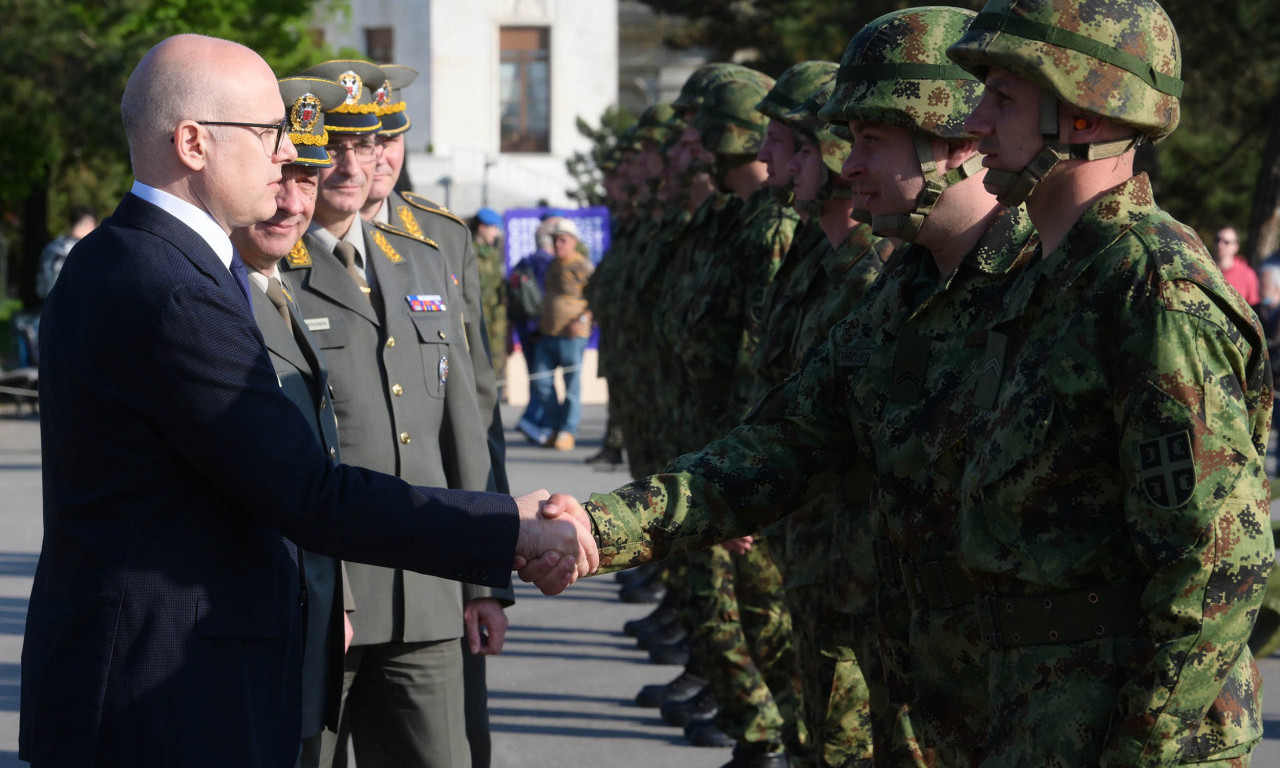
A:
524	295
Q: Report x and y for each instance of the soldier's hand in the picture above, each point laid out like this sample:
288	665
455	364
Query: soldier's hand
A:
555	545
738	546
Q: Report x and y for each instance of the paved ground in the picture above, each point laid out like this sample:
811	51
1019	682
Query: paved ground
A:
561	693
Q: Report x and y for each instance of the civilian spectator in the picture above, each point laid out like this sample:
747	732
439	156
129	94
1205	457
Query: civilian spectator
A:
1237	271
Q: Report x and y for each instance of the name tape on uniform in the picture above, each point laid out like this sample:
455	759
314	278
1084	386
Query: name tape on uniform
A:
317	323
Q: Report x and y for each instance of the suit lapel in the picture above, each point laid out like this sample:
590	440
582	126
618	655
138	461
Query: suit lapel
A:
329	277
136	212
277	337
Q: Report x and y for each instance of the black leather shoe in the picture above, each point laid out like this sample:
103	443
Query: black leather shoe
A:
699	709
607	456
757	755
650	591
676	654
683	688
660	617
707	735
643	571
664	635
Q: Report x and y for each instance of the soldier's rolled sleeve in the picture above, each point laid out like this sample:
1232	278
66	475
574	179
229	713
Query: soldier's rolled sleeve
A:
1209	554
739	483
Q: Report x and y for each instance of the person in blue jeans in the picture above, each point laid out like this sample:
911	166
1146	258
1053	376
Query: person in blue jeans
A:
565	326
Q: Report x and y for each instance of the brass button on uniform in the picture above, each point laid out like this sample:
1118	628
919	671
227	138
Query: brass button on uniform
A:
397	390
333	453
391	342
324	403
442	335
404	438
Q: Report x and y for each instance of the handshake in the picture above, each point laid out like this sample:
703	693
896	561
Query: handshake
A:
556	544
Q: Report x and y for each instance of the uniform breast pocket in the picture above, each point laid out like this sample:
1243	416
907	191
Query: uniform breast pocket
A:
328	334
436	335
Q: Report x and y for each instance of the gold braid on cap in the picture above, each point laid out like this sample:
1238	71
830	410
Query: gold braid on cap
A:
356	109
310	139
398	106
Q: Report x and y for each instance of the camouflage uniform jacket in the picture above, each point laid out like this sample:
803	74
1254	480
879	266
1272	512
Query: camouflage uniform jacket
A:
825	417
493	300
718	340
838	284
1122	448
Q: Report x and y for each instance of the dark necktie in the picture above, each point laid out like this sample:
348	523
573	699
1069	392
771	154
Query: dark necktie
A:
275	292
241	275
346	252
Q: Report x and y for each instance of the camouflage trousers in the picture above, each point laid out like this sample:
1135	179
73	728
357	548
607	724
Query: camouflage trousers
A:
719	639
835	700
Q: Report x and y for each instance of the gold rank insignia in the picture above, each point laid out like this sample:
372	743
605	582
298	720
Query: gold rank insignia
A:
299	257
380	240
420	202
410	222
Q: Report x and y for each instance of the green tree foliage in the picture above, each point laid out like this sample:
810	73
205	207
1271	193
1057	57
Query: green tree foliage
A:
68	63
584	167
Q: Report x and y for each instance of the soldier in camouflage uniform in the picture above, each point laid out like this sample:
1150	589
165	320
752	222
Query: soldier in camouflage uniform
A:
836	696
1115	515
879	393
743	626
493	288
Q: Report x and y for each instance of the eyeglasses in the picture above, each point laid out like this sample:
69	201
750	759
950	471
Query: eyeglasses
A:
280	128
364	151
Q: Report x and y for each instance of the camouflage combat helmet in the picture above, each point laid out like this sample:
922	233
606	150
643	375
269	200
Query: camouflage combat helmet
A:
657	123
794	86
694	89
895	71
1120	60
727	120
832	148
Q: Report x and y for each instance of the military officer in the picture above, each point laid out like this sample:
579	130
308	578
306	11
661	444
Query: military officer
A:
1115	506
384	306
300	367
483	614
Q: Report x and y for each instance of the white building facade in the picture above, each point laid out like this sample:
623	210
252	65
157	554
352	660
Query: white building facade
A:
500	85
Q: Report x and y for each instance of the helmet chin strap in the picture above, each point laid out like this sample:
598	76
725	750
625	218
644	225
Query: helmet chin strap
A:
783	196
906	226
1013	188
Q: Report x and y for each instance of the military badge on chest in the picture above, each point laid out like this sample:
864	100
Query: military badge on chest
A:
444	370
1168	469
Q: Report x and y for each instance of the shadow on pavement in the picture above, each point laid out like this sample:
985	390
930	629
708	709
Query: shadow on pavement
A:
18	563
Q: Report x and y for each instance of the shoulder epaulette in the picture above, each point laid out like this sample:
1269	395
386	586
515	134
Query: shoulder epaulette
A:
422	203
299	256
403	233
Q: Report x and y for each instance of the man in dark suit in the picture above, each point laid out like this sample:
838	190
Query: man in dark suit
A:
392	323
166	618
304	379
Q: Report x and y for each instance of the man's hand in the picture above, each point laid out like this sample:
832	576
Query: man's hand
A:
556	545
347	632
738	546
486	625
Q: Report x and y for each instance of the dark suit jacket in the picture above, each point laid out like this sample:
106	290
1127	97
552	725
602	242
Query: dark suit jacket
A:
304	380
164	626
405	395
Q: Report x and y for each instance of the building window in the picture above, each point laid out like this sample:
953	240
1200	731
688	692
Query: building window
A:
526	89
379	44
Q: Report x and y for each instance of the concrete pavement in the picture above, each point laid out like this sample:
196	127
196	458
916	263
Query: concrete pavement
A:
560	694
